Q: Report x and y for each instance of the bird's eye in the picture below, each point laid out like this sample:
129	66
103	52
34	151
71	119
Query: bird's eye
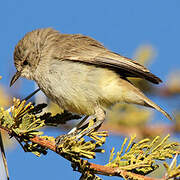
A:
25	62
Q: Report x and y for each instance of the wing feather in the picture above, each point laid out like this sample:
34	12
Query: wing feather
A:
90	51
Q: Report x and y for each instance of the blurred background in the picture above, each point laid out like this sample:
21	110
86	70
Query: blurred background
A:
147	31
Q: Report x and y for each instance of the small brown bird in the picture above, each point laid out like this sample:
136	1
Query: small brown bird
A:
79	74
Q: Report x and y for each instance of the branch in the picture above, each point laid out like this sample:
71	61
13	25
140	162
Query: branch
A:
131	162
96	168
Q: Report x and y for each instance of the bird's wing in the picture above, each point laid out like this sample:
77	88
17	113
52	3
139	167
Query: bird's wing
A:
90	51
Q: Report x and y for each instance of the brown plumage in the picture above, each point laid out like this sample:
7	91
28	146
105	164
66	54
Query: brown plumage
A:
79	73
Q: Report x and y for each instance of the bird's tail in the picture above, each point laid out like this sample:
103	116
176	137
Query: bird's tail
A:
141	99
149	103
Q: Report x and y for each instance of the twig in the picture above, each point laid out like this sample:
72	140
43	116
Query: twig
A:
95	168
98	169
105	170
26	98
4	156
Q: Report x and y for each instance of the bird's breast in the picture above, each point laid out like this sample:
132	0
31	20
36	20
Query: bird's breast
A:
78	87
70	85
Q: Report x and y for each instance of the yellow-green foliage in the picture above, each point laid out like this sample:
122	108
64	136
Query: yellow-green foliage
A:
24	125
81	148
20	121
173	171
141	157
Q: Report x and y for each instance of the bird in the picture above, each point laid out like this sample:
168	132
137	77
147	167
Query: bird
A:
79	73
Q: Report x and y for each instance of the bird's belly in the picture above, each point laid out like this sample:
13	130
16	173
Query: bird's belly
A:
75	102
77	87
71	87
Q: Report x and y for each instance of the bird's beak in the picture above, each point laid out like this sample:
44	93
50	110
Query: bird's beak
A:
15	77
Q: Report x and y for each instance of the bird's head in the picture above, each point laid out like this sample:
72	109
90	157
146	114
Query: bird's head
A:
27	53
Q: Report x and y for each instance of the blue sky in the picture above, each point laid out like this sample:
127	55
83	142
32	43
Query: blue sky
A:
122	26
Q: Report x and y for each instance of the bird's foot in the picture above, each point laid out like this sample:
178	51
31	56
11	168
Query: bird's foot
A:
87	129
63	141
75	135
94	124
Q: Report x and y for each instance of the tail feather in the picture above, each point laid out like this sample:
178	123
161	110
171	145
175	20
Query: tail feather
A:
135	96
151	104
